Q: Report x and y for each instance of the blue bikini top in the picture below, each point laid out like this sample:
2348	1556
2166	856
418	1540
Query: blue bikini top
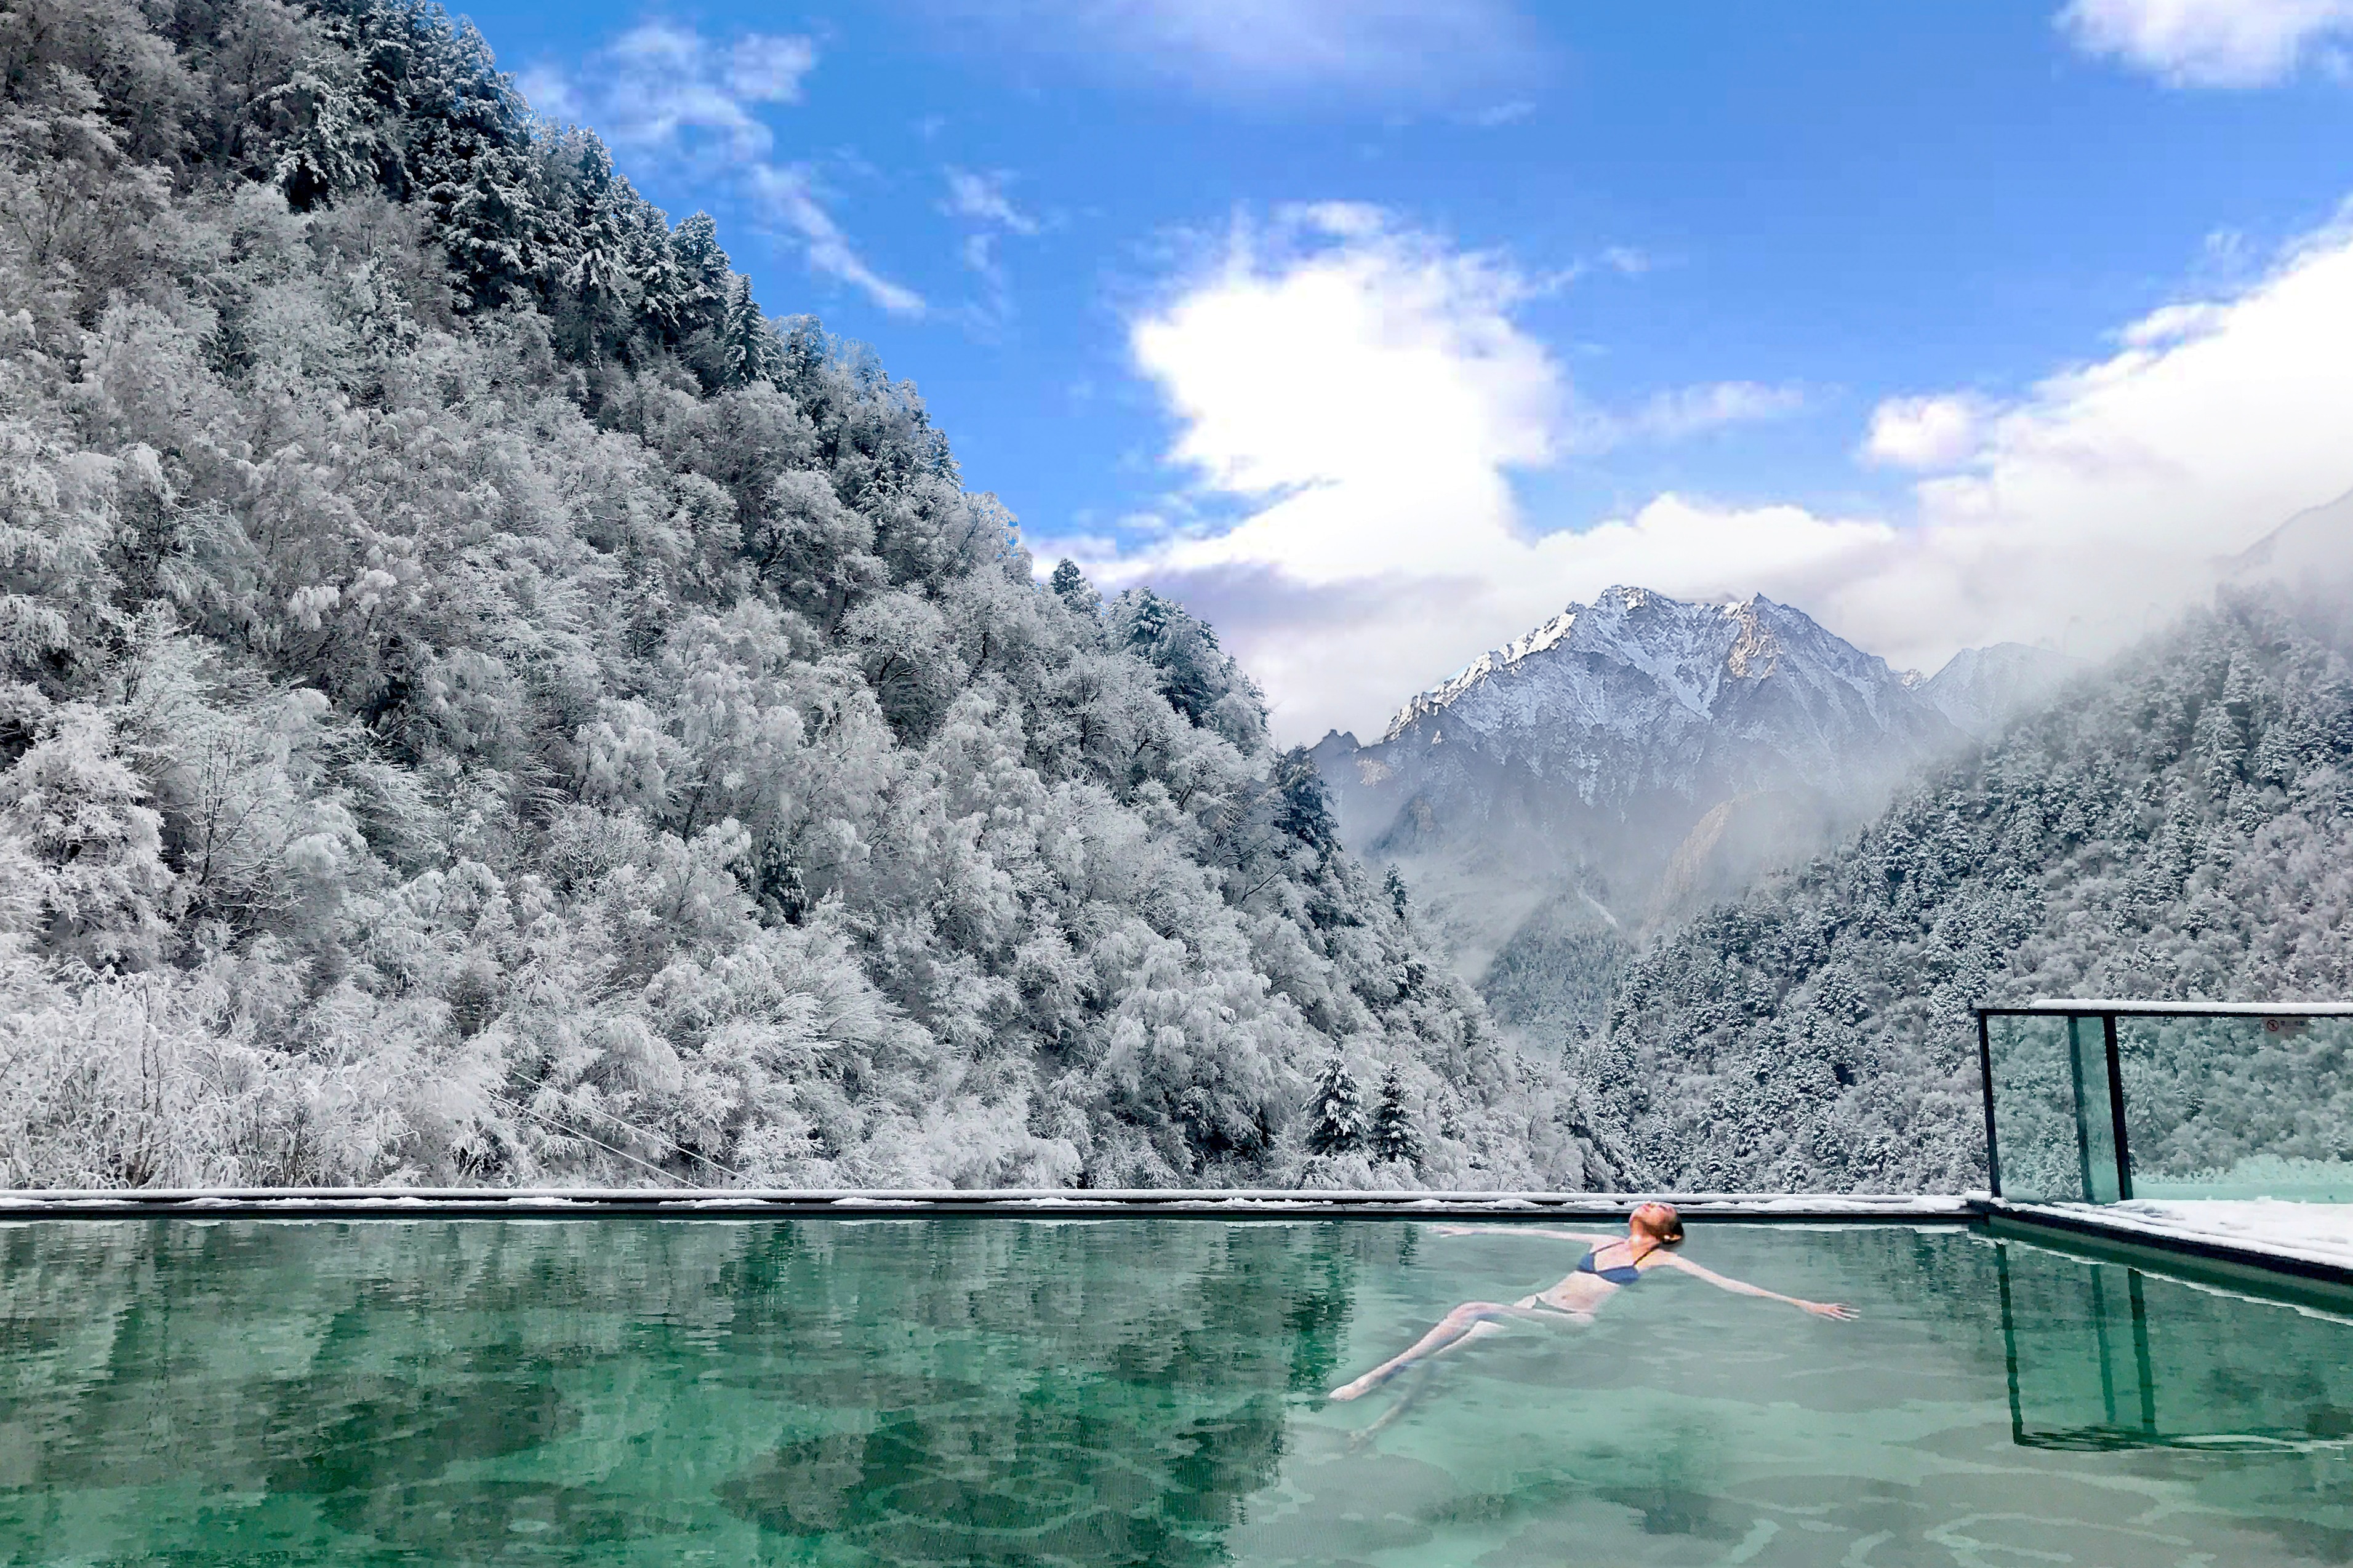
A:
1618	1274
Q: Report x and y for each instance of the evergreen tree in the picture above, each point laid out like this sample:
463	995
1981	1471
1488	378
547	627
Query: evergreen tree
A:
1303	809
1336	1116
748	347
703	272
1071	586
1393	884
1394	1135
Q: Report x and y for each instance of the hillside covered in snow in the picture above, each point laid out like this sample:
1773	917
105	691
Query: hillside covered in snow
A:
481	702
2179	827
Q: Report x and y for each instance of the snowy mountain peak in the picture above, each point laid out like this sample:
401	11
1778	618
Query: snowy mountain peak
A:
1641	755
1602	736
1685	649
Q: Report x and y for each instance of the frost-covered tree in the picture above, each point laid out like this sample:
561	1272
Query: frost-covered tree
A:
1393	1137
1071	586
1335	1118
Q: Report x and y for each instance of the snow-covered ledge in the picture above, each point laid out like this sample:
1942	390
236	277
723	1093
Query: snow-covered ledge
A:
2274	1236
1206	1202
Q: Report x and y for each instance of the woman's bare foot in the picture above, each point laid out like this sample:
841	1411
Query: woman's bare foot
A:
1360	1388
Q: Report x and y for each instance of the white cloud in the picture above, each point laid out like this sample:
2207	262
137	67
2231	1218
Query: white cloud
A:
667	93
767	68
1384	47
1333	347
1934	432
1365	393
787	193
1626	261
2209	43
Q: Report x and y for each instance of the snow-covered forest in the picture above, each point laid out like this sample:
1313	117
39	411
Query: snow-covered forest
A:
481	701
2179	826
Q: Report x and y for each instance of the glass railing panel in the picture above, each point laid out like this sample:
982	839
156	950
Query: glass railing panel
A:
2095	1113
2053	1112
2042	1139
2233	1107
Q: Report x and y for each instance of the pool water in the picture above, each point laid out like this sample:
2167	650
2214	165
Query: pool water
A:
982	1390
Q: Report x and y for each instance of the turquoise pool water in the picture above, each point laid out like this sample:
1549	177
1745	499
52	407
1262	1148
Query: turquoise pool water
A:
1133	1392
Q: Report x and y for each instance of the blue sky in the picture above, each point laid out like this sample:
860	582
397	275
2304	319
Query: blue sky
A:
1378	330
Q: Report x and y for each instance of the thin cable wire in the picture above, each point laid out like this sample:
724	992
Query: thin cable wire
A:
674	1148
576	1132
654	1138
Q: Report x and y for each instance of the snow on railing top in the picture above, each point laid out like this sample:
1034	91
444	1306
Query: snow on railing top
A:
2183	1009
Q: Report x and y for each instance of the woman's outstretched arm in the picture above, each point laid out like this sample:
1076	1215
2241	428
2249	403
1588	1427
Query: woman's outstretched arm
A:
1834	1310
1585	1236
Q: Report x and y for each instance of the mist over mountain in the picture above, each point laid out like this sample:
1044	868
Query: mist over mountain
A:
2312	548
481	700
1980	689
1624	763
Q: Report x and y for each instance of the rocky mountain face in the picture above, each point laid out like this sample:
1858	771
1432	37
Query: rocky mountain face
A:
1632	760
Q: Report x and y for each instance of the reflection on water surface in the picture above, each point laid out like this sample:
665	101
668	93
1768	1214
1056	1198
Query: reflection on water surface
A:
1130	1391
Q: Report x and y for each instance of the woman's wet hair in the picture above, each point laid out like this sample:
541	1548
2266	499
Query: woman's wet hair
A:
1662	1220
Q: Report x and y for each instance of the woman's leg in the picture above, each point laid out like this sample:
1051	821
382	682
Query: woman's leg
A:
1415	1387
1471	1320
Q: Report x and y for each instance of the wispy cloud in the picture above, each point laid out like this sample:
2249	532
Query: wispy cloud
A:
1390	48
667	93
1627	260
1689	410
982	198
1506	113
2211	43
789	193
982	203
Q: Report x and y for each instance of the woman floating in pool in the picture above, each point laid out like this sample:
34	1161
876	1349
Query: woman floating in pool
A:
1614	1263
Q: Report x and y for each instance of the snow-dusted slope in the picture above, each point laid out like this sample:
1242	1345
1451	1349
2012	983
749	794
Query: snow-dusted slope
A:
2313	547
1982	689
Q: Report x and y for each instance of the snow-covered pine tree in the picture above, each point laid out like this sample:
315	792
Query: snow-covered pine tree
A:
1393	884
1394	1137
1335	1122
1071	586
